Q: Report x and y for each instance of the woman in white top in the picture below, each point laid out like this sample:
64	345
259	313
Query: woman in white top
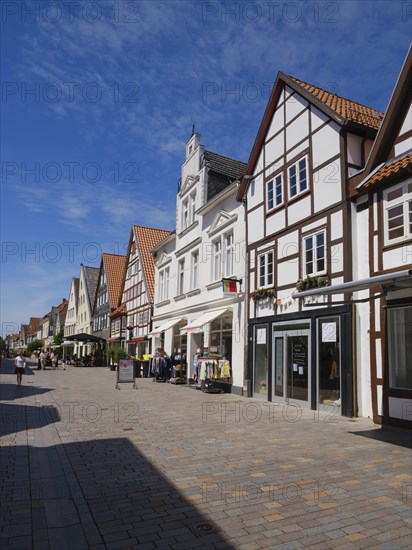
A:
20	365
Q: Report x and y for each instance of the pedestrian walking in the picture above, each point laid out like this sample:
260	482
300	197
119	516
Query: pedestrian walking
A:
54	360
64	363
19	367
42	360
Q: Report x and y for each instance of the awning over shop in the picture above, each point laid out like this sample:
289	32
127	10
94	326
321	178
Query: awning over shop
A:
169	324
66	344
198	324
112	340
83	337
399	279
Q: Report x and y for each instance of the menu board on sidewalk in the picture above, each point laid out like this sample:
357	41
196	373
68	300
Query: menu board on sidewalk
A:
125	371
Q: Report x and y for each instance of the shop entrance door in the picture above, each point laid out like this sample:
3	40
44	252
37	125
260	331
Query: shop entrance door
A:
291	366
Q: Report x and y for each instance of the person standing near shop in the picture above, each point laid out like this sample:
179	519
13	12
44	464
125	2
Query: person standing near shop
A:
20	365
42	360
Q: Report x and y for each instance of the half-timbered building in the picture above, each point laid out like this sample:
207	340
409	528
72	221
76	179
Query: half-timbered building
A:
138	288
383	253
299	219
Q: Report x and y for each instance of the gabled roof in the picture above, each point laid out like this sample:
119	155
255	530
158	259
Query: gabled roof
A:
396	112
392	169
233	169
345	108
34	324
341	110
91	275
114	265
119	311
147	238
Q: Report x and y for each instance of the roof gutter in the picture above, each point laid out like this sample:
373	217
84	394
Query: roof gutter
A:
361	284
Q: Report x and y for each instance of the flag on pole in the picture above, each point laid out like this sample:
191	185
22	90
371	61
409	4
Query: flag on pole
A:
230	287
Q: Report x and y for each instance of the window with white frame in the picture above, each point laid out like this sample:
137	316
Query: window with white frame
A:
274	193
185	213
164	284
188	210
314	250
217	260
229	254
195	270
265	265
298	177
192	207
181	277
397	205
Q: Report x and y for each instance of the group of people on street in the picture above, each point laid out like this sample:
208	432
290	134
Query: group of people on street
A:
49	359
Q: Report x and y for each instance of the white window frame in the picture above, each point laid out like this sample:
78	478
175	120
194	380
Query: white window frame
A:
315	257
192	206
266	280
194	278
229	267
181	277
404	200
272	189
217	259
164	284
185	213
299	189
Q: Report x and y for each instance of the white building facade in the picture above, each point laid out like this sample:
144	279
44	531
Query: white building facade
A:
192	317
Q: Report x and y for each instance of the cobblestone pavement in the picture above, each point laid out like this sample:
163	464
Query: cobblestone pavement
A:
84	465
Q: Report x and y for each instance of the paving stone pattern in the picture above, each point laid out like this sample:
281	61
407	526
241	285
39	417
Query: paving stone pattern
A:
84	465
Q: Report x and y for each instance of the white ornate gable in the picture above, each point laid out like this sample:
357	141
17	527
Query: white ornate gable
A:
189	182
222	219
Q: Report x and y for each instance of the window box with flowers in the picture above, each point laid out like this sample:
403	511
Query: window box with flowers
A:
308	283
262	294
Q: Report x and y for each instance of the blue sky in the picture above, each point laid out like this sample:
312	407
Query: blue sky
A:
99	98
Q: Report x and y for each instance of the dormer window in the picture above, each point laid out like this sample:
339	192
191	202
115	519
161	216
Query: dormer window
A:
190	149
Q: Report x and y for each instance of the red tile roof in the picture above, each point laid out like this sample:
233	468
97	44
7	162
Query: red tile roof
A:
389	169
351	110
119	311
147	238
114	267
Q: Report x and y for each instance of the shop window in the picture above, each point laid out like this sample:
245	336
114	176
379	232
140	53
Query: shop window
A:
314	253
220	341
260	363
397	205
399	323
265	263
297	178
329	361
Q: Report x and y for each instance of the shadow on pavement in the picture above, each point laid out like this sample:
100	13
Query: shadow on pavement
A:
16	418
402	438
107	492
10	391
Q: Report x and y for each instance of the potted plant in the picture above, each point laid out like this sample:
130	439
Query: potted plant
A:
262	293
116	353
312	282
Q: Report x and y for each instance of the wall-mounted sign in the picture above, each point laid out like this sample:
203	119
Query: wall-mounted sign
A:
260	336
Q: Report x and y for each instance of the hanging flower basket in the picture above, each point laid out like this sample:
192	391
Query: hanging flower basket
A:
262	294
312	282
